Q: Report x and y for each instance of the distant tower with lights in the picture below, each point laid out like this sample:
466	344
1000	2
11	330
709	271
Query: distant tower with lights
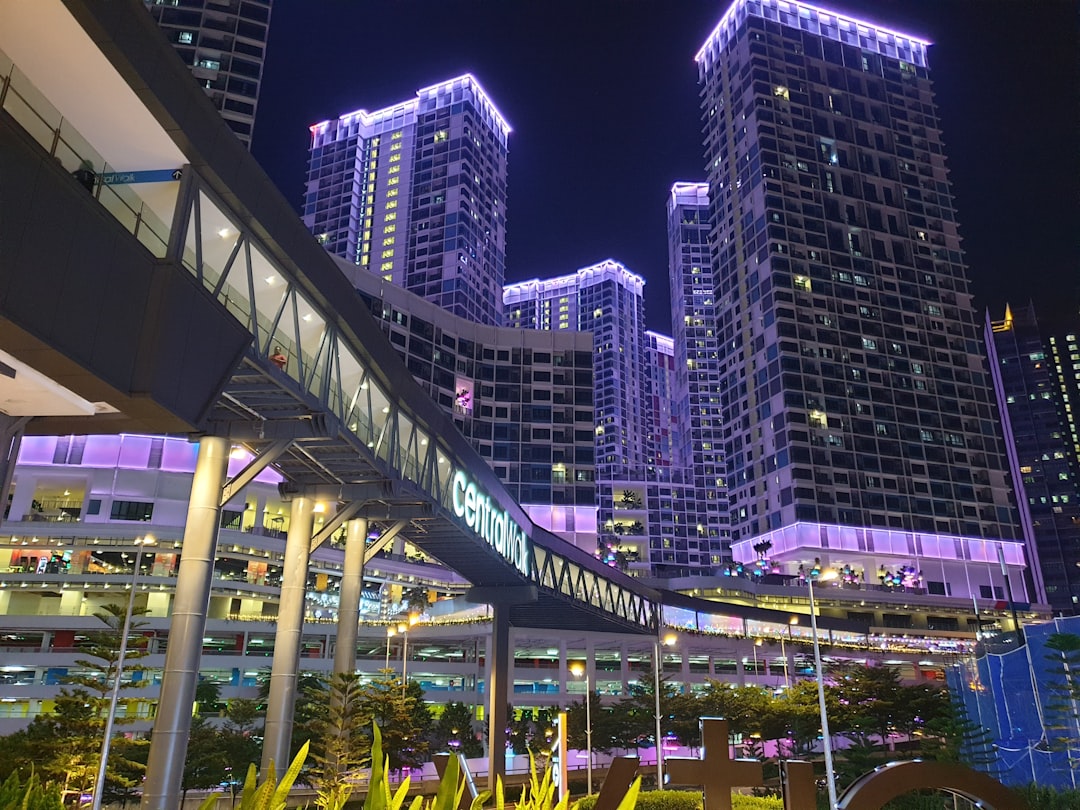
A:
1036	379
605	299
224	45
856	401
698	427
416	193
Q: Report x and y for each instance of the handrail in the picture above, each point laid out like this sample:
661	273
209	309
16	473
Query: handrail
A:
27	107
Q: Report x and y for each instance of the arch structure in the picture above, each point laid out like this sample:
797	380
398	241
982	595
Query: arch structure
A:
886	783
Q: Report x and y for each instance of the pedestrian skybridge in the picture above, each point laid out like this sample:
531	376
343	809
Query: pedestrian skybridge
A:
270	347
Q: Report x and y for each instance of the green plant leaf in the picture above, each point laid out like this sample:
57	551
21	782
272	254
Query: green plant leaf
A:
281	792
447	796
630	799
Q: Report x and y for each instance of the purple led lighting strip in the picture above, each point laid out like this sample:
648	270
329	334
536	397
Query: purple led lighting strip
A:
483	100
884	40
609	268
883	542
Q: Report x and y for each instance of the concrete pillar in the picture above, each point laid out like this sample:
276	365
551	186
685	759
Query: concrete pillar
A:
168	745
564	667
259	518
352	580
624	669
499	656
290	629
22	497
11	433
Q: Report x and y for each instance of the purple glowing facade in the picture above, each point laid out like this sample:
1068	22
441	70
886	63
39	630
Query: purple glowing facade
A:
820	22
853	388
416	194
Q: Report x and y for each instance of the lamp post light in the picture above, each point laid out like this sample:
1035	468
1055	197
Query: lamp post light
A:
114	698
578	670
668	640
390	633
404	628
830	774
783	651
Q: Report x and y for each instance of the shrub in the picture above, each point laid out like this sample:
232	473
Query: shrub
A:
689	800
29	795
741	802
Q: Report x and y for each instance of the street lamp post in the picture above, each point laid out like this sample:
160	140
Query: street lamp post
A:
578	670
668	640
830	774
783	652
114	698
390	633
403	628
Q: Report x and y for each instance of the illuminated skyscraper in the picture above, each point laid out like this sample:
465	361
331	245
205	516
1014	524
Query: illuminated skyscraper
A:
224	44
698	426
1036	379
606	300
855	398
416	193
659	414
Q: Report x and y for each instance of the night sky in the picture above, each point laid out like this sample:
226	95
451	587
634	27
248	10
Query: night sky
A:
602	99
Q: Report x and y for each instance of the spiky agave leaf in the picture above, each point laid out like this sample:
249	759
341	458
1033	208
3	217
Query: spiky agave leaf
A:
378	795
251	783
398	799
281	791
448	794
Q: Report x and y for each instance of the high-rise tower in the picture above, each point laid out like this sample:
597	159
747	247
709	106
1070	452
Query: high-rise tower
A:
416	193
854	390
605	299
698	435
1032	381
224	44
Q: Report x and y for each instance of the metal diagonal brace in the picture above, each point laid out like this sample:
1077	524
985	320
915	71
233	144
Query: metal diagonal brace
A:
263	460
333	524
384	539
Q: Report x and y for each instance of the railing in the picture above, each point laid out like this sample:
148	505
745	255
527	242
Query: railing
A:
44	123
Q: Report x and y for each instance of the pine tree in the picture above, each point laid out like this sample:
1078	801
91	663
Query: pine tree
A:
402	716
337	743
454	731
205	761
1061	717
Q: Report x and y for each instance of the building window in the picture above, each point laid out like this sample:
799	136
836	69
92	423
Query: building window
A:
131	510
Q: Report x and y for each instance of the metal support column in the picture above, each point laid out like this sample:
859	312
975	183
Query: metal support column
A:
168	744
290	629
352	581
500	654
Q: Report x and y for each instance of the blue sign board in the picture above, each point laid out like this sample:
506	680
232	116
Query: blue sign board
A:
151	176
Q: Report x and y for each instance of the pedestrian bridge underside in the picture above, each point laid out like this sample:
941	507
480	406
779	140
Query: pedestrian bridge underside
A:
182	294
